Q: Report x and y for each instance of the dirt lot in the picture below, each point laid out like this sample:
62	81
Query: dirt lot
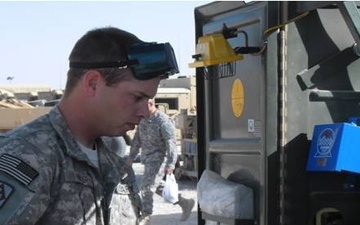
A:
166	213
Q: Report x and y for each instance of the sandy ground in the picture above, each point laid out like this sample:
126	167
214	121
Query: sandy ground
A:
166	213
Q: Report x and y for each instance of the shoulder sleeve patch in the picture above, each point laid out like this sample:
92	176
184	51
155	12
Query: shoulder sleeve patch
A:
5	191
18	169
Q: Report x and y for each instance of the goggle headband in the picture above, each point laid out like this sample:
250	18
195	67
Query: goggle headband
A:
146	60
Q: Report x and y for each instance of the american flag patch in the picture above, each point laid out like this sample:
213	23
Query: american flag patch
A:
17	169
5	191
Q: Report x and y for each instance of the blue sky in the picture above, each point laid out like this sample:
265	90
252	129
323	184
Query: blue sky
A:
37	37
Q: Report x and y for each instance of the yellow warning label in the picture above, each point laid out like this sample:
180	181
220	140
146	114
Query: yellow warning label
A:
237	98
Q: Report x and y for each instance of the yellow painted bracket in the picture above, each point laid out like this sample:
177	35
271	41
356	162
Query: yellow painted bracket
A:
212	50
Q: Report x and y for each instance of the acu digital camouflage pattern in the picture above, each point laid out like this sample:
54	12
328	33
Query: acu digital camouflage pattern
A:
67	189
157	139
118	144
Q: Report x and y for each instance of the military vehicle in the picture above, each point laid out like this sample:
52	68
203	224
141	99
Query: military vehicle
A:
15	112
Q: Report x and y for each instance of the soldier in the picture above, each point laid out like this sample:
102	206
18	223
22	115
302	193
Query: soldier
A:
157	140
56	169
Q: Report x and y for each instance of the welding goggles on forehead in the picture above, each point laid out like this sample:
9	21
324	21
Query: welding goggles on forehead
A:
146	60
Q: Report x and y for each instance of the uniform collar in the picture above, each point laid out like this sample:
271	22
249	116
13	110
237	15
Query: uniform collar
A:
59	124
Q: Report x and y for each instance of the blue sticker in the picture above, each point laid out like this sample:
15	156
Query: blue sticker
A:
5	191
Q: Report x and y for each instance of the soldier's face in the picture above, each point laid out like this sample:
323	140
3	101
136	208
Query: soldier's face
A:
121	107
151	106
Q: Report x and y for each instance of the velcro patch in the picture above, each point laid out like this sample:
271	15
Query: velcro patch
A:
17	169
5	191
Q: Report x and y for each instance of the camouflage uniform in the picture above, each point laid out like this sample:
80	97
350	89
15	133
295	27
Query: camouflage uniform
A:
156	138
46	179
117	144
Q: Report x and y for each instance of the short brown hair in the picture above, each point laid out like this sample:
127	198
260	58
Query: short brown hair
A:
100	45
